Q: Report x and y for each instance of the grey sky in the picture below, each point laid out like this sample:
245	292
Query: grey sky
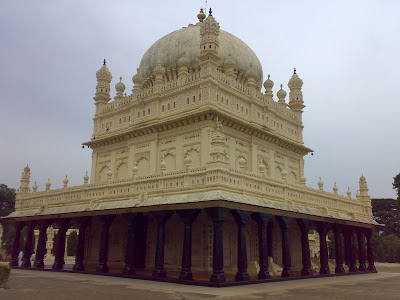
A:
346	52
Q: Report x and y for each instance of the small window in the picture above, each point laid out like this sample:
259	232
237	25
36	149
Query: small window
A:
162	108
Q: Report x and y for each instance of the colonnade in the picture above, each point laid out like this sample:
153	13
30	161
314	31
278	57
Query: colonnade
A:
217	215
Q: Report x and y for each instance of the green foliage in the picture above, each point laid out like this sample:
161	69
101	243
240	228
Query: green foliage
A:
396	185
72	241
7	206
386	248
4	274
387	211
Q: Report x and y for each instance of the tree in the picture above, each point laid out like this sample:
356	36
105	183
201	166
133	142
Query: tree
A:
7	206
72	242
396	185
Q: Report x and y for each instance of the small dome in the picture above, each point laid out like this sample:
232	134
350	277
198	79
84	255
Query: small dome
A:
184	62
35	187
268	84
65	181
27	169
86	177
281	93
229	62
104	74
159	70
120	87
136	78
295	81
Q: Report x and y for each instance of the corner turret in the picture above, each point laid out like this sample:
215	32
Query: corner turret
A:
209	39
103	86
25	179
296	102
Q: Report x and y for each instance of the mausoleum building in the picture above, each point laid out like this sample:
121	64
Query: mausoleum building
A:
197	175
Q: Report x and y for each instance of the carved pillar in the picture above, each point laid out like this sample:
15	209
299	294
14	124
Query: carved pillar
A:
263	238
351	251
161	218
188	216
105	222
59	262
80	248
361	249
41	246
15	252
26	261
218	215
305	247
370	252
241	218
322	229
337	230
129	268
284	224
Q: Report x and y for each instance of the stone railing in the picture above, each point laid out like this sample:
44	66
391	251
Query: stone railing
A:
196	180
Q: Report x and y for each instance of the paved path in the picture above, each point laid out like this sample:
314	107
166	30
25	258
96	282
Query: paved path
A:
28	284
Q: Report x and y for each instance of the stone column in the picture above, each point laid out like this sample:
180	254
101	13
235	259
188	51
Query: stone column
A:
41	246
15	252
346	246
188	216
241	218
263	238
80	247
322	229
270	234
26	261
284	224
218	215
59	262
351	251
337	230
161	218
105	222
49	242
361	249
305	247
370	252
129	268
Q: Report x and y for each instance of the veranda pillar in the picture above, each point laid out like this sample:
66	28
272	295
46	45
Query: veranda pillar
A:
161	218
218	215
188	216
351	251
41	245
26	261
370	252
337	230
59	262
80	248
15	252
105	222
263	237
322	229
361	249
284	224
129	268
241	218
304	226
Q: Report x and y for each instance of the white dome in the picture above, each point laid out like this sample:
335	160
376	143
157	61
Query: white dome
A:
186	42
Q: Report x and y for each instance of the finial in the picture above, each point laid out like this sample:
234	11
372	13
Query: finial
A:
269	76
294	71
281	84
210	12
120	78
201	15
104	62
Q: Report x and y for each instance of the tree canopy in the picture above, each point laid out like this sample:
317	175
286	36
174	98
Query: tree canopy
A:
7	206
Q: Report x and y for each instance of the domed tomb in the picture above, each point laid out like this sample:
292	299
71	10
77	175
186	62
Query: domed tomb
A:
186	42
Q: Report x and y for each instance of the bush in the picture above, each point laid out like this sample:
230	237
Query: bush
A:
4	274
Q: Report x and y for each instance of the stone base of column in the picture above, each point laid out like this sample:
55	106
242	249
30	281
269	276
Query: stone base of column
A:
263	274
372	268
362	268
159	273
306	271
353	269
339	270
57	265
324	270
128	270
286	273
185	275
78	267
242	276
14	263
26	263
102	268
38	265
218	277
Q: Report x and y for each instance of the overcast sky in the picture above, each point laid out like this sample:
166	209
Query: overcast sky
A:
346	52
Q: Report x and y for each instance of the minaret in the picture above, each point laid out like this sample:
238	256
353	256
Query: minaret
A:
120	88
103	87
296	102
25	178
364	196
209	44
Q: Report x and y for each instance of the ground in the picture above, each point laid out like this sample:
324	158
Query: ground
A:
29	284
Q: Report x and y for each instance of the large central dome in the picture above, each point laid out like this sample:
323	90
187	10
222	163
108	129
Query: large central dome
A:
186	42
